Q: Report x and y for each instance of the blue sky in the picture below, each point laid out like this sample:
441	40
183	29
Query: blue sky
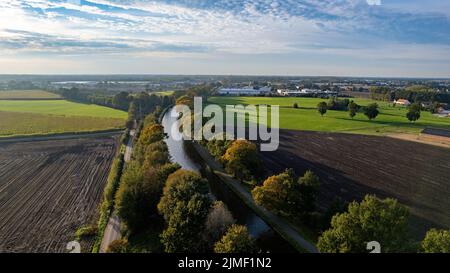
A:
408	38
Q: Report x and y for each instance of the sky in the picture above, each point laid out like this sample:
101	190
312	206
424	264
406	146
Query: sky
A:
389	38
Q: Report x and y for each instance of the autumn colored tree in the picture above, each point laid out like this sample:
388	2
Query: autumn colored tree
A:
118	246
241	160
275	191
236	240
384	221
283	193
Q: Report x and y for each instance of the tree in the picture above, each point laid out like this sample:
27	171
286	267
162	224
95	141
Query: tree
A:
283	193
241	160
322	108
185	225
122	101
218	221
236	240
118	246
180	186
309	190
436	241
185	205
139	194
384	221
274	193
371	111
413	112
352	109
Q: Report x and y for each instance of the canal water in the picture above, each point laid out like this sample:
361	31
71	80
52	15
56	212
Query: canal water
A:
184	154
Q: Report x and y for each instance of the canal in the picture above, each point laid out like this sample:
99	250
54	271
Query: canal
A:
184	154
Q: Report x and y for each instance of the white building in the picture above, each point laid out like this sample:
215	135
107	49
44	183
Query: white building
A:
293	93
402	102
248	91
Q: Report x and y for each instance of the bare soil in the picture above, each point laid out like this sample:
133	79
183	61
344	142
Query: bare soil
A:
48	189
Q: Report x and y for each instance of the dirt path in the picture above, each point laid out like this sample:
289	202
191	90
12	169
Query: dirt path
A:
112	230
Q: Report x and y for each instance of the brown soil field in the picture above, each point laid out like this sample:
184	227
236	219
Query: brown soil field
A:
48	189
350	166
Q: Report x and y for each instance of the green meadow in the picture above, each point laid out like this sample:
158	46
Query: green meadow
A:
61	108
40	117
390	120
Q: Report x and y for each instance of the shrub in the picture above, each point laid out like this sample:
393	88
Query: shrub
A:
436	241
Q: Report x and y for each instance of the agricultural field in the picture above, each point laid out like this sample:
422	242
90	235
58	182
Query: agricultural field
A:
27	95
37	117
48	189
27	124
391	120
164	93
351	166
61	108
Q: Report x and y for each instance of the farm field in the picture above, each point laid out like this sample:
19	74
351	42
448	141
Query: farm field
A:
48	189
351	166
61	108
37	117
390	120
27	95
25	124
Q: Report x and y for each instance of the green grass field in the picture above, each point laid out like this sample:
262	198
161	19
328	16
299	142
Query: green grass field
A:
391	119
27	94
26	124
61	108
39	117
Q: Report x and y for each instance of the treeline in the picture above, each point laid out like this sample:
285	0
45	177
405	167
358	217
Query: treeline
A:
166	209
416	93
138	105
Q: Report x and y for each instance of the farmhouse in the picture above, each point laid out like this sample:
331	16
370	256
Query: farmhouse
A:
402	102
250	91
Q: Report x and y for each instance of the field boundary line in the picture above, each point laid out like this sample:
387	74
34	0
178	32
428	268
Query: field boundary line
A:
61	136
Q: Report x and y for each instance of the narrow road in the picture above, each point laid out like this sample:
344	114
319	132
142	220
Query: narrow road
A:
112	230
280	225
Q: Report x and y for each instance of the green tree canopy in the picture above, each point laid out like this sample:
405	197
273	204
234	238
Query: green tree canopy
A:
436	241
384	221
322	108
371	111
236	240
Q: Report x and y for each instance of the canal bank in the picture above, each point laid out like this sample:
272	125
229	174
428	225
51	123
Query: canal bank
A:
191	157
